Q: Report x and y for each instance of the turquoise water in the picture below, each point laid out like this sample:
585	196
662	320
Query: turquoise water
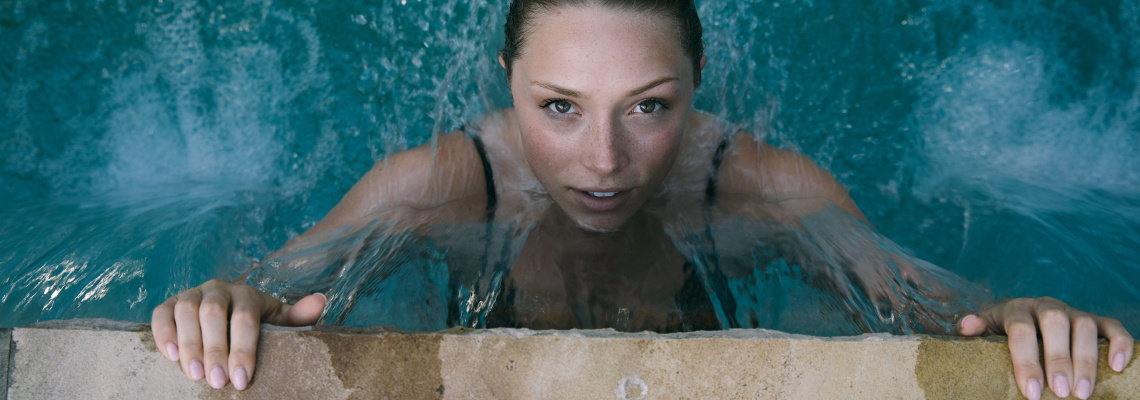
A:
150	146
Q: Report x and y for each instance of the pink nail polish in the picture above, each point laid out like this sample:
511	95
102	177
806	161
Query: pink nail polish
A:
1033	390
240	378
217	377
1060	385
965	322
1118	362
197	372
172	352
1084	389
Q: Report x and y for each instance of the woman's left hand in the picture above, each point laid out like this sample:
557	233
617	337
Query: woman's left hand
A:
1070	343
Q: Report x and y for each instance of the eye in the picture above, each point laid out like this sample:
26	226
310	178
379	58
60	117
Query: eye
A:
559	106
649	106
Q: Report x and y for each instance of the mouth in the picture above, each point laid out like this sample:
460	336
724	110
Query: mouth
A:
599	201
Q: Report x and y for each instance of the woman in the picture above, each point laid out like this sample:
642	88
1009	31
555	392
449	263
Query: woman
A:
603	149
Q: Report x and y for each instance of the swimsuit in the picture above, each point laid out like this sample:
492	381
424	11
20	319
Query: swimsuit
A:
488	175
695	310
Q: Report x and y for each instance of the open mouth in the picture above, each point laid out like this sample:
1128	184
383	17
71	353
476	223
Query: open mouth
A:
601	201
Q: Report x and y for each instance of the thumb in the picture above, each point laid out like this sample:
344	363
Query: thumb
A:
306	311
971	325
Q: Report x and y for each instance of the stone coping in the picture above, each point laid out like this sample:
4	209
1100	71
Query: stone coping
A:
92	359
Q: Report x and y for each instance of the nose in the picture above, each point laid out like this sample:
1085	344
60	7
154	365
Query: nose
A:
605	152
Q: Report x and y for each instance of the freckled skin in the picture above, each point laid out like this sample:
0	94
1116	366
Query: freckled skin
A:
606	142
601	67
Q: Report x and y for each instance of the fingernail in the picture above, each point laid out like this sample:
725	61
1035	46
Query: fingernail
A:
962	324
1061	385
217	377
172	352
240	378
196	370
1084	388
1033	390
1118	362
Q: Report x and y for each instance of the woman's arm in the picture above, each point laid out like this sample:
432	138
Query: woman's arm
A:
212	329
414	179
788	186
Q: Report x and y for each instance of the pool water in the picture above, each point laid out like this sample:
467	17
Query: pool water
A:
150	146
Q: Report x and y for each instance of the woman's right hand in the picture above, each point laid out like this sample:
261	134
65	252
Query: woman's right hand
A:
191	328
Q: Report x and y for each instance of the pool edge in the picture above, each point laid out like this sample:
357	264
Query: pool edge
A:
107	359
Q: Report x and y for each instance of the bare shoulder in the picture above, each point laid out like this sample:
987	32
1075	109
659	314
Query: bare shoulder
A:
760	169
445	169
779	177
428	176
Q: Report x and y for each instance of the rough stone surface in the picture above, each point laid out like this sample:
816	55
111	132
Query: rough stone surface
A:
395	365
113	360
5	346
290	365
490	365
77	364
946	368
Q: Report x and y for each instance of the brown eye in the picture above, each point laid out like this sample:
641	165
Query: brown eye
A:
647	106
562	107
559	106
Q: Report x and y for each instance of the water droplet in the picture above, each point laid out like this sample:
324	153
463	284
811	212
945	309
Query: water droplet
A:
631	387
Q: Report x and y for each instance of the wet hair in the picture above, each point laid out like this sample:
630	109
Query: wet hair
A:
683	12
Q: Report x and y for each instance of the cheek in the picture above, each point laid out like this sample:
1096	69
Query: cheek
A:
544	154
658	150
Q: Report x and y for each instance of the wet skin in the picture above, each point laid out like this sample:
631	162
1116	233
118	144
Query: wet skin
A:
630	280
602	128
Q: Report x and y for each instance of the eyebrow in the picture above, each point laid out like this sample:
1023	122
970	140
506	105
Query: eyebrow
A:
651	85
574	93
557	89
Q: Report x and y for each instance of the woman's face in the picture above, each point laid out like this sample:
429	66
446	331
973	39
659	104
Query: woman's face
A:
602	97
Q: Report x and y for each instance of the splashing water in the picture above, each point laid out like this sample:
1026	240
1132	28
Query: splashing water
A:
996	139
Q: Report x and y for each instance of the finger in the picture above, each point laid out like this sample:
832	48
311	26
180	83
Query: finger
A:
189	333
1053	320
165	333
214	316
1120	343
971	325
1016	320
245	327
1084	354
306	312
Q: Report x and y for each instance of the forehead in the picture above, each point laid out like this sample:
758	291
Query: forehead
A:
585	43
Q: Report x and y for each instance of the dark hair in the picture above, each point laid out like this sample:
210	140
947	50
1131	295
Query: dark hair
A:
684	12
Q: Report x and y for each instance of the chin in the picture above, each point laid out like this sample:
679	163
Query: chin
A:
600	225
595	229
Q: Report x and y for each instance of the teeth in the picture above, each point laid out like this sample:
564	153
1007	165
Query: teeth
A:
602	194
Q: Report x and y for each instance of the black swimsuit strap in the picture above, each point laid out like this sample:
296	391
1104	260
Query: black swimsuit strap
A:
712	276
718	157
488	174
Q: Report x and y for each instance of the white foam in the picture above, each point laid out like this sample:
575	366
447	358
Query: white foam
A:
197	117
987	117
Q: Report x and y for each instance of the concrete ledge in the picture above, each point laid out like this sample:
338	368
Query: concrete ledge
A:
106	359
